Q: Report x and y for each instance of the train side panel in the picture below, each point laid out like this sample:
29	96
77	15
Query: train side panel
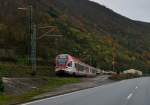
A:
66	64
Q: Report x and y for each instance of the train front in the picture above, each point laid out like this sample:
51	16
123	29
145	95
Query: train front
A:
62	61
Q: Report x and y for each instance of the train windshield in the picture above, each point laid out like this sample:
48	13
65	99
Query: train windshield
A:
61	60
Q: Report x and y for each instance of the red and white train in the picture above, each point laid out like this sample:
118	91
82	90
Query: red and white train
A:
67	64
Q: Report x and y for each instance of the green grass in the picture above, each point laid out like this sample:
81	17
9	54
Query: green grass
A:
52	84
4	99
46	72
12	70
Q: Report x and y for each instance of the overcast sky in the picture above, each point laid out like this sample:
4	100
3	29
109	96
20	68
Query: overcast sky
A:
134	9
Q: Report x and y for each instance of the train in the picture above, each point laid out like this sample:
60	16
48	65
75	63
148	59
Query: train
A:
69	65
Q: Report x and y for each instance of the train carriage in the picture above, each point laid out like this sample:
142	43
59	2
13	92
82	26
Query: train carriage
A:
69	65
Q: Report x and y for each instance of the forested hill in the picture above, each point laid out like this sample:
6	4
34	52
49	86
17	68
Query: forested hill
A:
91	32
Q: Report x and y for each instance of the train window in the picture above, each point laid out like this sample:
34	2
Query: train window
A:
70	64
77	66
86	69
61	61
94	71
81	67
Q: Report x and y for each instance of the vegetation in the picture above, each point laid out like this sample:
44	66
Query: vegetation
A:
1	86
52	84
92	38
92	33
12	70
118	77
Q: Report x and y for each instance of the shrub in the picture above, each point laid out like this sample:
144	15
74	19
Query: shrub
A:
1	86
123	76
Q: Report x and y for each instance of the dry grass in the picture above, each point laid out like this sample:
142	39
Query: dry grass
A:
122	76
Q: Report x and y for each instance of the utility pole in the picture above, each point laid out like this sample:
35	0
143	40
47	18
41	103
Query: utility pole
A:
32	38
33	50
114	57
56	45
33	35
30	33
113	61
30	16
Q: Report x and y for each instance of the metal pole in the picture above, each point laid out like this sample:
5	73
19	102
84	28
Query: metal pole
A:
113	57
56	45
30	32
33	50
30	19
113	62
33	34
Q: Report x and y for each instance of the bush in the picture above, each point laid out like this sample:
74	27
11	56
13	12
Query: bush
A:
1	86
123	76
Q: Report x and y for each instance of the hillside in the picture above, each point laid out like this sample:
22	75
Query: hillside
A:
91	32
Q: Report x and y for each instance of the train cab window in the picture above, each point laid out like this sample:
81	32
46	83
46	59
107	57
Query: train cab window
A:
76	66
61	61
70	64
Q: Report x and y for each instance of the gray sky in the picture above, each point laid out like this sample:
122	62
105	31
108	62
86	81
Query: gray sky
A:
134	9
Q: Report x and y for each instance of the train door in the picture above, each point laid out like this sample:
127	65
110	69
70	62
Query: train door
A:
69	66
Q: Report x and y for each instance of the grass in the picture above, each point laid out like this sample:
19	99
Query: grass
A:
4	99
12	70
52	84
